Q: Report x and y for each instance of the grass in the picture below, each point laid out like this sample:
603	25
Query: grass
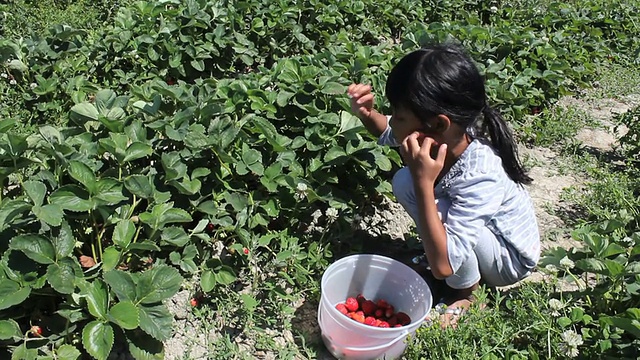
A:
20	18
617	81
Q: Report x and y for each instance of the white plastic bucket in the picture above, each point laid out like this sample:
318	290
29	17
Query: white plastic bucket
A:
375	277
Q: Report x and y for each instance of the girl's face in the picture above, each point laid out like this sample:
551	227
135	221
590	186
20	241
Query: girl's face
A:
404	123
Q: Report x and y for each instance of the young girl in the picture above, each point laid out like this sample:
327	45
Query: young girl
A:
463	183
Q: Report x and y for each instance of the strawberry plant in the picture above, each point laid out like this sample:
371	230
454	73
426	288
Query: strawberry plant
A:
200	139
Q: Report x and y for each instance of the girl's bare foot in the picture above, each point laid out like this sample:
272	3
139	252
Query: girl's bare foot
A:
453	312
458	304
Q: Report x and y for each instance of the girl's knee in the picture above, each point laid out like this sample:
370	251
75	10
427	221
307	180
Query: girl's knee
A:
402	186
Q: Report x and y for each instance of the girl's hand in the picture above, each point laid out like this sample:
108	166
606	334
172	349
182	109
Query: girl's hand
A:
417	154
361	100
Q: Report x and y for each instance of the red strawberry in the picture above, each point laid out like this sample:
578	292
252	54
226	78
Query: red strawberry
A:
351	314
384	324
359	317
377	322
352	304
342	308
403	318
382	304
379	313
389	312
36	330
361	299
210	226
194	302
393	321
245	251
370	320
369	307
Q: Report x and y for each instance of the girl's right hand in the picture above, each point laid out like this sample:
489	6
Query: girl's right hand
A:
361	100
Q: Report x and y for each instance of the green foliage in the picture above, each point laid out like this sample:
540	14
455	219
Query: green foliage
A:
23	18
162	146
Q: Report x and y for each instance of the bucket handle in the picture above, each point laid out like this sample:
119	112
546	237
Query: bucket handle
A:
371	348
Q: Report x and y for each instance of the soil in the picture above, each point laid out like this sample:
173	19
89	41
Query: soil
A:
389	229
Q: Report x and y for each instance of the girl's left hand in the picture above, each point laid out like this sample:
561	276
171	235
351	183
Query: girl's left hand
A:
417	155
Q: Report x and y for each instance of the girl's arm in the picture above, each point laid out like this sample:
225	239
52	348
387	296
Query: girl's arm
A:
375	123
362	105
433	234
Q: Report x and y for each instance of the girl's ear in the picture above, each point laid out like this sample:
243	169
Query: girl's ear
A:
443	123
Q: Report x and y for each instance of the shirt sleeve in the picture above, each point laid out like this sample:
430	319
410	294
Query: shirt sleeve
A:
474	202
387	138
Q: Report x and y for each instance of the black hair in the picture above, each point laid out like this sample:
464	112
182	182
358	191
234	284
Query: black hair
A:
443	79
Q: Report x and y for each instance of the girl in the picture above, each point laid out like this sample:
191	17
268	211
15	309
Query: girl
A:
463	183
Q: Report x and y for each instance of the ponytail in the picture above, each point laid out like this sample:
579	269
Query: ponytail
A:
502	140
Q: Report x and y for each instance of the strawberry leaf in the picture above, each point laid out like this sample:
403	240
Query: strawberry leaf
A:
97	339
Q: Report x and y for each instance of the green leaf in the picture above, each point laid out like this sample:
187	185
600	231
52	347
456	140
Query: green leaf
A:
105	100
238	201
564	321
633	268
97	339
156	321
225	275
83	174
614	267
10	210
64	242
175	236
145	245
36	247
97	297
110	258
122	284
139	185
113	120
9	329
51	214
83	112
125	314
12	294
383	162
208	280
174	215
7	124
334	153
136	151
123	233
157	284
251	156
67	352
72	198
109	191
22	352
613	249
592	265
249	302
197	64
144	347
36	191
631	326
333	88
349	122
62	275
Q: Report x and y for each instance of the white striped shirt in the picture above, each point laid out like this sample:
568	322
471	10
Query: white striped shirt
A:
482	194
